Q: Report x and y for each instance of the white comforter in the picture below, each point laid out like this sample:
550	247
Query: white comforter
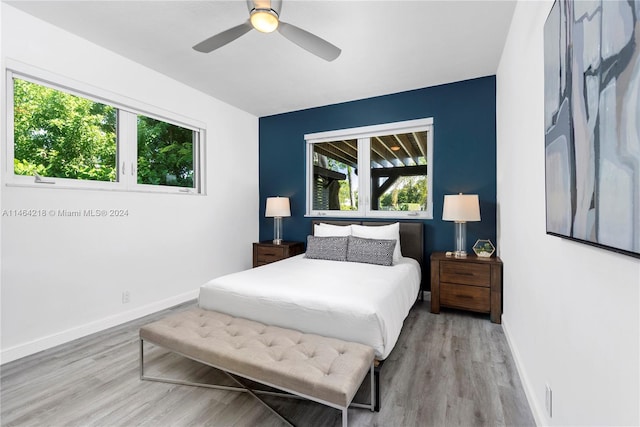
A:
351	301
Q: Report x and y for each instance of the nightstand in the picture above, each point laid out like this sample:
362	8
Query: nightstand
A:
266	252
471	283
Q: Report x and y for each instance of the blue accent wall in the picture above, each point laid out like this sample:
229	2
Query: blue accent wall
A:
464	118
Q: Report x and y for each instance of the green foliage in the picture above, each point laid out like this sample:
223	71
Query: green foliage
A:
165	153
409	193
346	202
61	135
348	198
29	169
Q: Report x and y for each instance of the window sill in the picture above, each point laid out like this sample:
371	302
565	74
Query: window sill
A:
59	186
358	215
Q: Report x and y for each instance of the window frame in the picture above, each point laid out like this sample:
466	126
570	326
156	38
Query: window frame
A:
198	163
127	111
363	135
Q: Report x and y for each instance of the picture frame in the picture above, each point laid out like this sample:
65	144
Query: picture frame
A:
592	137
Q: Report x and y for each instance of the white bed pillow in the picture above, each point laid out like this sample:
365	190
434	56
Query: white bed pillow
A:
387	232
328	230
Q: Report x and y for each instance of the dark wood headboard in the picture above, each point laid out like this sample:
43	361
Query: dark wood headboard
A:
411	237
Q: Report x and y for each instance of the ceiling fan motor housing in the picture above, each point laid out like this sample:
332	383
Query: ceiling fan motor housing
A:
266	5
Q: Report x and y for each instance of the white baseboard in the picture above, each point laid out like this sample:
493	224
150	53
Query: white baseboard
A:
537	411
50	341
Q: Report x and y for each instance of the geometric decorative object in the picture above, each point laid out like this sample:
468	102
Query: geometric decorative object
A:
461	208
484	248
592	137
277	208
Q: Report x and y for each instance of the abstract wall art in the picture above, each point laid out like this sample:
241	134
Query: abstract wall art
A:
592	123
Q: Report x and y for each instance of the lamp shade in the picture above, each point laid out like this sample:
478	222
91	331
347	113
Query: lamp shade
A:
461	208
277	207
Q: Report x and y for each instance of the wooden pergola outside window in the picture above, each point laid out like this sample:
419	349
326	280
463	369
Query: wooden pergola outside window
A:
393	159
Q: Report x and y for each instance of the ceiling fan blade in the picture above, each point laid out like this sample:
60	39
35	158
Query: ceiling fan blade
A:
220	39
309	42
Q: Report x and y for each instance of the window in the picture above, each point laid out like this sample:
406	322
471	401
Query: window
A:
335	182
60	135
165	153
72	139
374	171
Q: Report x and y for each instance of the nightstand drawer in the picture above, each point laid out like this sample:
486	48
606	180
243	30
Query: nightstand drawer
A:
267	252
270	253
465	273
466	297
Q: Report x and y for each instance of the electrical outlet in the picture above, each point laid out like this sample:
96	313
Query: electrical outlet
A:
126	297
548	400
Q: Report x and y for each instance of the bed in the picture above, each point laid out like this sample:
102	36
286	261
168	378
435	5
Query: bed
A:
352	301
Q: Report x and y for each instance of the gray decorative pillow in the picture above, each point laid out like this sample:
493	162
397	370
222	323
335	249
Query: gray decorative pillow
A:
370	251
330	248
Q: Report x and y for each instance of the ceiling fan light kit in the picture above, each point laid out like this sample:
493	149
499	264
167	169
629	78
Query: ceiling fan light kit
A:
264	16
264	20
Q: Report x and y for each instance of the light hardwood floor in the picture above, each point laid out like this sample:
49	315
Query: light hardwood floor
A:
451	369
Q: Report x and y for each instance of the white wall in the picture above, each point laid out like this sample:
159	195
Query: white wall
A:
64	277
571	311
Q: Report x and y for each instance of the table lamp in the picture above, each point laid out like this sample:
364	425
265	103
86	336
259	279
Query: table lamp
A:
461	208
277	208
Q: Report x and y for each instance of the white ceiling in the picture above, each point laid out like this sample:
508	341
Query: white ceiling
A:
387	46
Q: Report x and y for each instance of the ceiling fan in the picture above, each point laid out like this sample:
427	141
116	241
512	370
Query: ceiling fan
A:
265	17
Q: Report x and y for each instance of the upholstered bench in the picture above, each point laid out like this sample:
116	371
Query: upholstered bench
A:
325	370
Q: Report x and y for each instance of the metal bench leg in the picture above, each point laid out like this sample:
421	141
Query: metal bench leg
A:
344	417
377	387
141	358
373	388
265	404
373	403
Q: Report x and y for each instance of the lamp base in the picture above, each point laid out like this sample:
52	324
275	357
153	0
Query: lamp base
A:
460	240
277	230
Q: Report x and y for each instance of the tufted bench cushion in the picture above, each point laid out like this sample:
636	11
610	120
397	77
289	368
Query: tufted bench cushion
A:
325	369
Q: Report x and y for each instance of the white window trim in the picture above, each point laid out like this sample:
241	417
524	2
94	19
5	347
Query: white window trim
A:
128	109
363	134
